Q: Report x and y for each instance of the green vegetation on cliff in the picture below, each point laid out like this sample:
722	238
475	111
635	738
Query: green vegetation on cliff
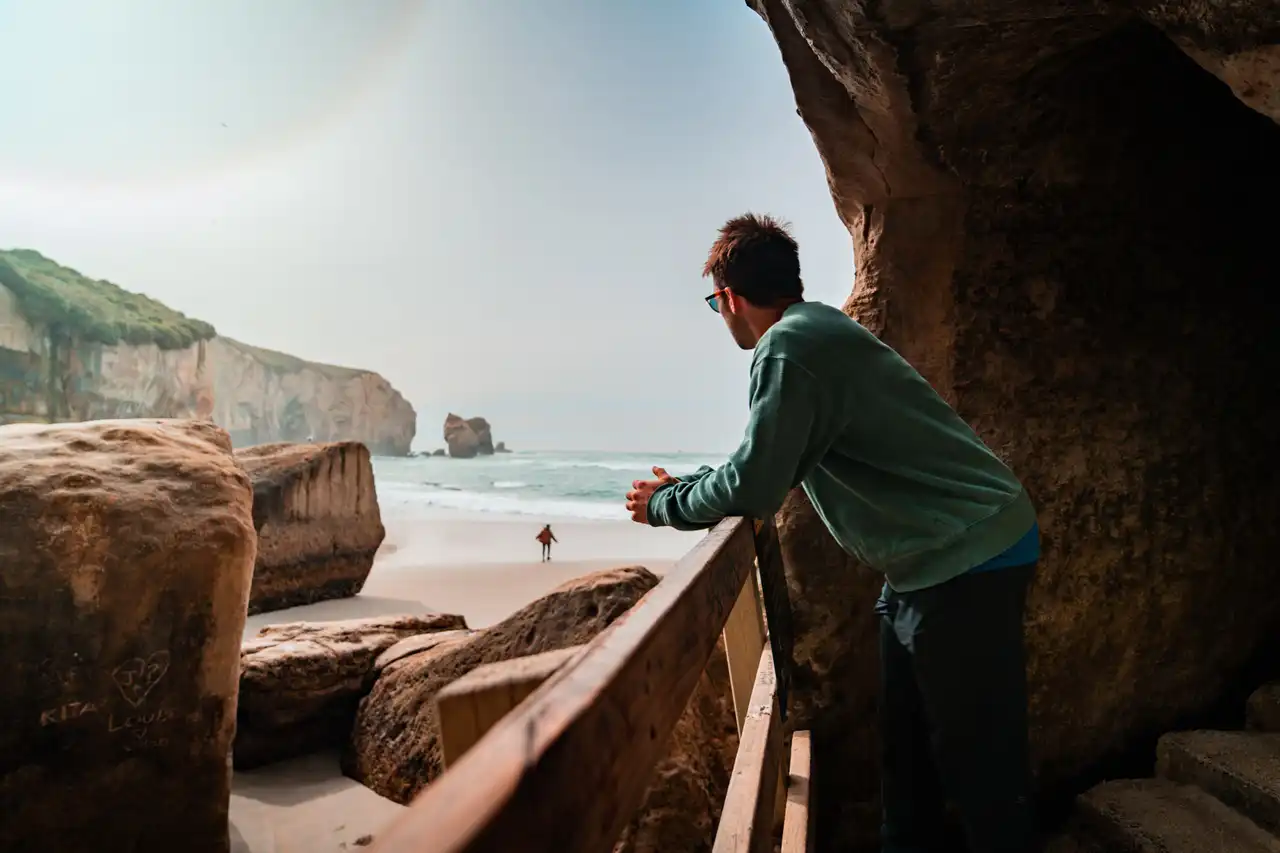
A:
93	310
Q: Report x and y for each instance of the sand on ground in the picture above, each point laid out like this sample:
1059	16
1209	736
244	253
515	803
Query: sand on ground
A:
484	569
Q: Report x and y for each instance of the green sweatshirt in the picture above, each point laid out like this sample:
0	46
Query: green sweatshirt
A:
902	483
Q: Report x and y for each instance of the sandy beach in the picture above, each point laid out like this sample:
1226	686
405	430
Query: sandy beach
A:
484	568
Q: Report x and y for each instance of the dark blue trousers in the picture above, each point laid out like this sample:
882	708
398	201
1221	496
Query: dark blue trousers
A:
953	715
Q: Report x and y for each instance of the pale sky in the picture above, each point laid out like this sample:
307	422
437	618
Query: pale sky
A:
503	206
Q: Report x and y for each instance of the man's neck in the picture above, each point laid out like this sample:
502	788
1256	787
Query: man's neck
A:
766	318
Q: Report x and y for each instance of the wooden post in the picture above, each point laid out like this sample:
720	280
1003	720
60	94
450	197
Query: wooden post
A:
796	835
780	795
777	605
747	822
470	706
744	639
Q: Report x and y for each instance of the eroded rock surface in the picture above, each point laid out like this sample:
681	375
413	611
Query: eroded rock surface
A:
410	646
682	806
300	682
395	744
126	551
261	395
1057	217
469	437
316	513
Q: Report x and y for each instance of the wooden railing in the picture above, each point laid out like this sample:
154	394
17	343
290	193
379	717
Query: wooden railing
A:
554	752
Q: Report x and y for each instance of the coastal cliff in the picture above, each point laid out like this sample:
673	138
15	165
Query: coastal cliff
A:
72	349
261	396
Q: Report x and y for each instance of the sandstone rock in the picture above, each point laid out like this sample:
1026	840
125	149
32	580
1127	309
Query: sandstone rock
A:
484	434
300	682
439	452
467	438
410	646
501	447
1235	40
395	747
1054	217
316	513
460	437
126	551
266	396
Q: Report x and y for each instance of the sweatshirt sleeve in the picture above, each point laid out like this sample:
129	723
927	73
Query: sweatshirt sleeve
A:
697	475
776	453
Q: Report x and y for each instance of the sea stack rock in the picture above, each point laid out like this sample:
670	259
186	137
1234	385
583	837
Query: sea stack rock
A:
468	438
126	551
484	434
316	513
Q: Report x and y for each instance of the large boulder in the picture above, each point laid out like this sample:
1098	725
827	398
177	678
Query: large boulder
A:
1057	217
395	743
316	513
126	551
468	438
300	682
682	805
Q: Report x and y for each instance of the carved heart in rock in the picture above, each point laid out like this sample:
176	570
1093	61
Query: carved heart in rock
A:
137	677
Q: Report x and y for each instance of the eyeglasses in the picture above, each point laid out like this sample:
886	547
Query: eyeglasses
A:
713	301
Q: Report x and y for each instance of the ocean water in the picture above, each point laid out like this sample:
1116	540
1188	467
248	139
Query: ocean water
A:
550	485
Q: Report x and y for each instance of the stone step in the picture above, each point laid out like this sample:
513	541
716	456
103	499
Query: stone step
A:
1161	816
1242	769
1263	710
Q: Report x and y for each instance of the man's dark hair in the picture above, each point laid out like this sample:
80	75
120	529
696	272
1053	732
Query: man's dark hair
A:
758	258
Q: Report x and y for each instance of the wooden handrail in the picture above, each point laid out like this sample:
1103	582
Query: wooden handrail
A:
566	770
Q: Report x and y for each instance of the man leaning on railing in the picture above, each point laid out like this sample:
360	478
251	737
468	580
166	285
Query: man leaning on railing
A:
908	488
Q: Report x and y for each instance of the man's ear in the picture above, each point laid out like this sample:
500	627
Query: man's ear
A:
735	306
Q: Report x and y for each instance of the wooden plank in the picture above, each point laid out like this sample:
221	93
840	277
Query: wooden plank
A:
746	824
473	704
796	824
566	771
743	641
777	606
780	793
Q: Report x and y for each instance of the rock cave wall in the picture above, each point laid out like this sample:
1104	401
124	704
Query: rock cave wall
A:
1064	222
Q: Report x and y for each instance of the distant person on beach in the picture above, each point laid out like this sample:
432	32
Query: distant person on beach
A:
905	486
546	537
